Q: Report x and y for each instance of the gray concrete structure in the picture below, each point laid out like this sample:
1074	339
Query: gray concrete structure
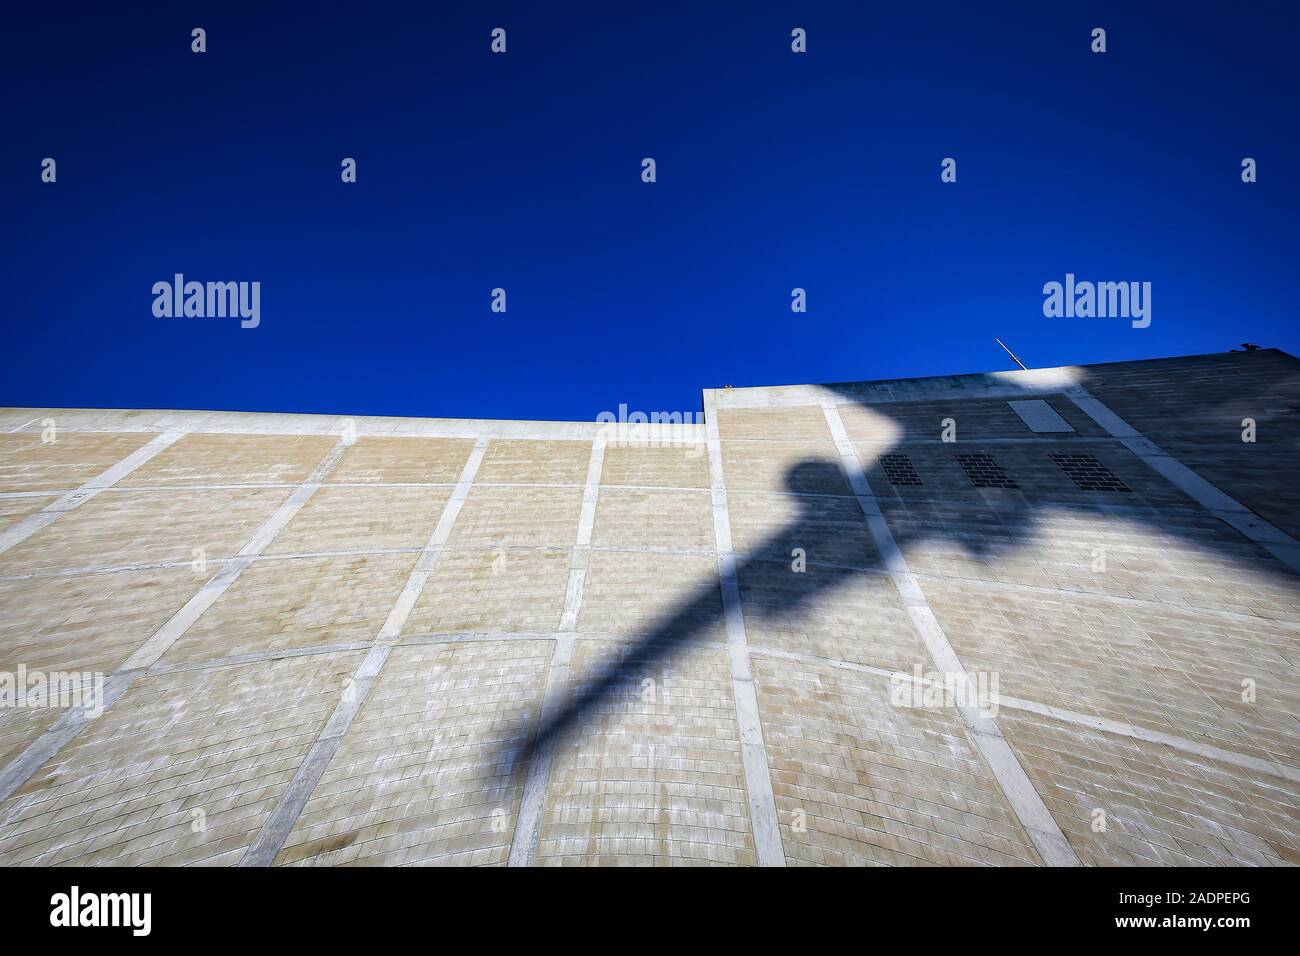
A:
1045	617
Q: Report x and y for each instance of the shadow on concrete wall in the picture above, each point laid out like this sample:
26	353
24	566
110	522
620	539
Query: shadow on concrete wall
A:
814	529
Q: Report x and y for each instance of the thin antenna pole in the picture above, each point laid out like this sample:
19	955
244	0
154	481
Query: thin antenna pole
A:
1011	353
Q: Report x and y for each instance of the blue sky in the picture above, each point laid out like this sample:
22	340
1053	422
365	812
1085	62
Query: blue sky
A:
522	171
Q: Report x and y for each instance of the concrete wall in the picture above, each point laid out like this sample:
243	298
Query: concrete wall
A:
384	641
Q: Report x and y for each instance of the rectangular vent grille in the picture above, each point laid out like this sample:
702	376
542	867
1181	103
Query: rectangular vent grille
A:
984	472
899	470
1088	473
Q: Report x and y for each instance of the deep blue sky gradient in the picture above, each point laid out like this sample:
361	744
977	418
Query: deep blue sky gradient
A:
523	171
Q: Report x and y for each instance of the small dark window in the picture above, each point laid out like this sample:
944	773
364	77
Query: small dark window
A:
984	472
899	470
1088	473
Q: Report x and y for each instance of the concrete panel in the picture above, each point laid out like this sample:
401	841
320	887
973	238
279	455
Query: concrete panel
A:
828	531
297	602
121	528
236	459
857	617
1177	557
655	777
514	517
181	770
413	781
346	519
534	462
1039	416
1161	807
635	518
397	460
774	466
667	467
635	595
861	782
805	424
1179	672
29	464
498	590
87	622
